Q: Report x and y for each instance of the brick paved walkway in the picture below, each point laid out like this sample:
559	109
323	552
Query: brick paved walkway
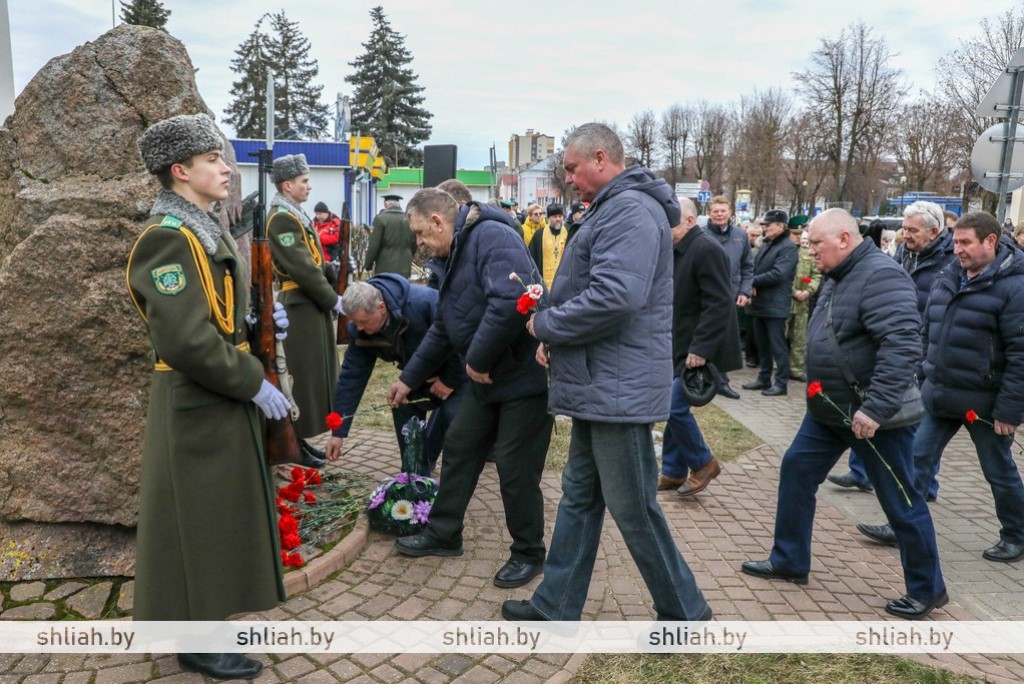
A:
850	577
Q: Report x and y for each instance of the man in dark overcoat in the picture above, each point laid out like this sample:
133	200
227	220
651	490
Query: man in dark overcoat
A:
700	333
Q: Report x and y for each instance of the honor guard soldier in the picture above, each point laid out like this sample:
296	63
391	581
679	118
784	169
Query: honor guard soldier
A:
207	534
311	350
392	243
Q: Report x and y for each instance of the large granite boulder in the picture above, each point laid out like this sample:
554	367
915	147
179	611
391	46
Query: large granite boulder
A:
74	356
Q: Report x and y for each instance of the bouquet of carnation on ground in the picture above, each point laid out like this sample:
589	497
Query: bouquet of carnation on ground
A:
401	504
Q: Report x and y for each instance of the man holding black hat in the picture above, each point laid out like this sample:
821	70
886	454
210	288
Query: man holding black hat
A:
548	245
207	545
700	334
774	268
392	243
310	350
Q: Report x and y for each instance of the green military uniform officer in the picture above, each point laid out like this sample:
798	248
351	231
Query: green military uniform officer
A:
805	285
207	532
392	243
310	349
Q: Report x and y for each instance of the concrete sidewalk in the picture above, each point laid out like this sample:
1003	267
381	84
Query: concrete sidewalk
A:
732	521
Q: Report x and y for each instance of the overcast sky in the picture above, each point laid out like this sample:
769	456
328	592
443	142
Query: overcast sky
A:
491	70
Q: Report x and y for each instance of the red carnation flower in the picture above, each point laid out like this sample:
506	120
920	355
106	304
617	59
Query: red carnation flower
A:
310	497
288	525
292	560
289	494
971	416
334	421
313	476
525	303
805	279
297	473
290	541
814	389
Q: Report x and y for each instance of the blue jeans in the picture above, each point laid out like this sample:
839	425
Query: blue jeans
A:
857	469
613	465
814	451
934	433
683	448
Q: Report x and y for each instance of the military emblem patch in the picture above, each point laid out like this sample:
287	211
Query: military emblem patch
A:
286	239
169	279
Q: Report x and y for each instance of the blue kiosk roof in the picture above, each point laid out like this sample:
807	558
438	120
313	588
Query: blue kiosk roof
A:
317	153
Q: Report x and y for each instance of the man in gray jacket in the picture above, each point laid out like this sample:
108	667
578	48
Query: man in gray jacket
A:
608	331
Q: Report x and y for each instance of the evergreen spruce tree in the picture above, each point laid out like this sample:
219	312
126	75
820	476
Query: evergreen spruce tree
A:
279	46
247	112
144	13
386	103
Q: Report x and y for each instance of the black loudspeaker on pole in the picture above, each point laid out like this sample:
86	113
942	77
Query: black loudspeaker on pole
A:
438	164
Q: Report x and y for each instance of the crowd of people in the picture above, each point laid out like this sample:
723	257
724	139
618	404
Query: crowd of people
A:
633	315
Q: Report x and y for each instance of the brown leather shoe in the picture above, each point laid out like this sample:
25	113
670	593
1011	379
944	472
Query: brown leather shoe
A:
665	482
700	479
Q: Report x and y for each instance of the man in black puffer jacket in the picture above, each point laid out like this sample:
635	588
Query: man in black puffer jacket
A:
868	304
974	368
774	269
505	405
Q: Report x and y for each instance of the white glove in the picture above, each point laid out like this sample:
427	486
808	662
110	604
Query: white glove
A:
339	308
270	400
280	317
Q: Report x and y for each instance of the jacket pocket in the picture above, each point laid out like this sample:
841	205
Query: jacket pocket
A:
191	396
569	364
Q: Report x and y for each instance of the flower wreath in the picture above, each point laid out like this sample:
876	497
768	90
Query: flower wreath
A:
401	504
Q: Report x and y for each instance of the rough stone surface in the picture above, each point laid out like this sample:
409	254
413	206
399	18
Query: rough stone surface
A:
73	194
126	599
32	611
27	591
34	550
89	602
64	590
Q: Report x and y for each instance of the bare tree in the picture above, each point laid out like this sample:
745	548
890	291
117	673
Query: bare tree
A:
676	124
855	96
757	152
711	126
641	137
806	167
966	74
924	144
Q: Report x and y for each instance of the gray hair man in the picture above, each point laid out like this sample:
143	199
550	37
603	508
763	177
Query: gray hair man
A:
607	329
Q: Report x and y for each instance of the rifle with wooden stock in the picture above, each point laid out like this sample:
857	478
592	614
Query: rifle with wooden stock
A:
280	443
344	271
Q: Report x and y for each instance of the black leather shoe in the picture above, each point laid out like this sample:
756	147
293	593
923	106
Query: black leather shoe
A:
1004	552
310	456
756	385
221	665
848	480
765	570
910	608
776	391
521	611
882	534
516	573
931	498
423	545
753	364
728	392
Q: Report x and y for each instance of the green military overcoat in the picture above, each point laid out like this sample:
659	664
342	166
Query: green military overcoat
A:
392	244
207	544
310	348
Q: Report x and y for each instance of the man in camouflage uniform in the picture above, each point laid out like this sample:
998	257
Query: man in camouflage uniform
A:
310	349
805	285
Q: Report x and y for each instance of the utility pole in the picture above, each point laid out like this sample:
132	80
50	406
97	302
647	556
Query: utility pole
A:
6	65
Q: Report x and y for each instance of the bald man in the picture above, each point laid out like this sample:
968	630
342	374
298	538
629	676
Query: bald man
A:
863	343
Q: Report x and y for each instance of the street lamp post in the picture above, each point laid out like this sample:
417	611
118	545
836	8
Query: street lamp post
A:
803	197
903	192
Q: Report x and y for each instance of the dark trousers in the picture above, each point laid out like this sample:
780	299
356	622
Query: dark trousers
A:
770	334
815	449
519	431
442	413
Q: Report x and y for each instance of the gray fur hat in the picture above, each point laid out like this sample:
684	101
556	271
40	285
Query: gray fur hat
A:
288	167
176	139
